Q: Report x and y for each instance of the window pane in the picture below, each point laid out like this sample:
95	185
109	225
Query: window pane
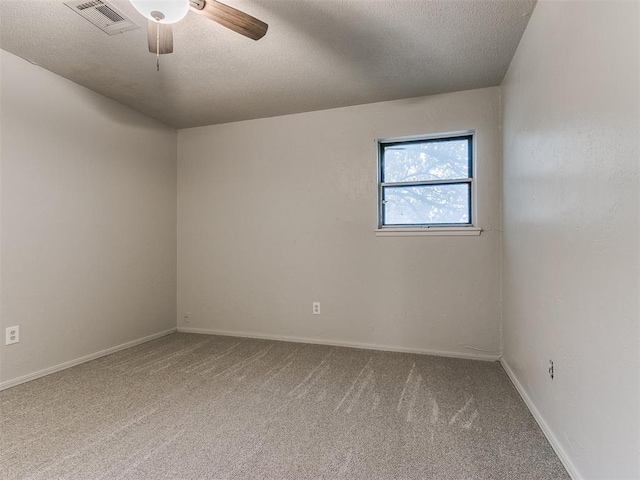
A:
426	160
427	205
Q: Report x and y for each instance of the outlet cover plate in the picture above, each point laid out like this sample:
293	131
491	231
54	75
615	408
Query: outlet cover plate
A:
12	335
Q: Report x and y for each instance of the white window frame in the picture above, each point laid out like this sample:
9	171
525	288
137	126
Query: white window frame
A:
428	230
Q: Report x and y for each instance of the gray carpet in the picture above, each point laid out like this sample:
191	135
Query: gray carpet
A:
206	407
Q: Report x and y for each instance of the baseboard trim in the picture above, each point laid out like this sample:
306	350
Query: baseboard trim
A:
562	454
78	361
339	343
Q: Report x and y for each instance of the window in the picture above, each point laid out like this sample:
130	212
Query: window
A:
426	182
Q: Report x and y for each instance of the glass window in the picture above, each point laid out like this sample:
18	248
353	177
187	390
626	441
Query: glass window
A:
426	182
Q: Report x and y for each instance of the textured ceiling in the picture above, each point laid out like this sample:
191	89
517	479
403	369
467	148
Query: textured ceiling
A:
317	54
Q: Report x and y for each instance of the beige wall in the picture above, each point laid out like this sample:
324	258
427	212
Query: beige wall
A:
571	229
276	213
88	218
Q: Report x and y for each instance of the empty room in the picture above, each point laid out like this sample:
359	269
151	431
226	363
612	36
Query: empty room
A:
320	239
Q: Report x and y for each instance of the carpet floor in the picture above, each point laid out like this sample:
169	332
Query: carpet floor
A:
190	406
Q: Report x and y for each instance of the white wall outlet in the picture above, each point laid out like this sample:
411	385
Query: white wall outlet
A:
551	371
187	317
12	335
316	308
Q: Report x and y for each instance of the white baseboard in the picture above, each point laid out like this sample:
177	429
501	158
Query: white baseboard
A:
562	454
340	343
78	361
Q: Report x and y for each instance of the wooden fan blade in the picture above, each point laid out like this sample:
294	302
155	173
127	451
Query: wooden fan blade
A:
166	37
233	19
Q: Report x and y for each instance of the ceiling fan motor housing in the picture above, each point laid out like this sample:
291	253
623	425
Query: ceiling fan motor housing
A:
162	11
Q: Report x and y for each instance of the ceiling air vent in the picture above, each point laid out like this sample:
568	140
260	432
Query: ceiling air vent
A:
103	15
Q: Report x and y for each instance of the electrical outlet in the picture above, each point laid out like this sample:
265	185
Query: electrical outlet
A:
12	335
316	308
187	317
551	369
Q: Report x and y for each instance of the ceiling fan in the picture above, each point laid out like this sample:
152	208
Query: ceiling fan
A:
161	14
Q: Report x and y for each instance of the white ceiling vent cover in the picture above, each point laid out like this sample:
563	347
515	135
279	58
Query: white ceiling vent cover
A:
103	15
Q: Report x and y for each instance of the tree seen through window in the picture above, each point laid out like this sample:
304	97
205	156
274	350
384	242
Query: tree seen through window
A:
426	182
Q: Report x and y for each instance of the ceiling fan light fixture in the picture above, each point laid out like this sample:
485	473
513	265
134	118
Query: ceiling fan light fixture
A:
162	11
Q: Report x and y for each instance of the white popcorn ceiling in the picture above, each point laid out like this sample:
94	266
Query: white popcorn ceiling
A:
317	54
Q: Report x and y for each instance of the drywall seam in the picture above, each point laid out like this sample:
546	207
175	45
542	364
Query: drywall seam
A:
340	343
555	444
78	361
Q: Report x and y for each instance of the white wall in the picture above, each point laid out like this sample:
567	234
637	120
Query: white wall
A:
88	199
571	229
276	213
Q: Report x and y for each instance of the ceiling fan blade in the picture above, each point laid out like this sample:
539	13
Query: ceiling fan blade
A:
166	37
229	17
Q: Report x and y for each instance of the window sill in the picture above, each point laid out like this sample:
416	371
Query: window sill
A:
427	231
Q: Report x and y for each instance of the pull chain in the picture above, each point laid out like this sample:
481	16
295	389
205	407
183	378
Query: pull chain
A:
158	46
